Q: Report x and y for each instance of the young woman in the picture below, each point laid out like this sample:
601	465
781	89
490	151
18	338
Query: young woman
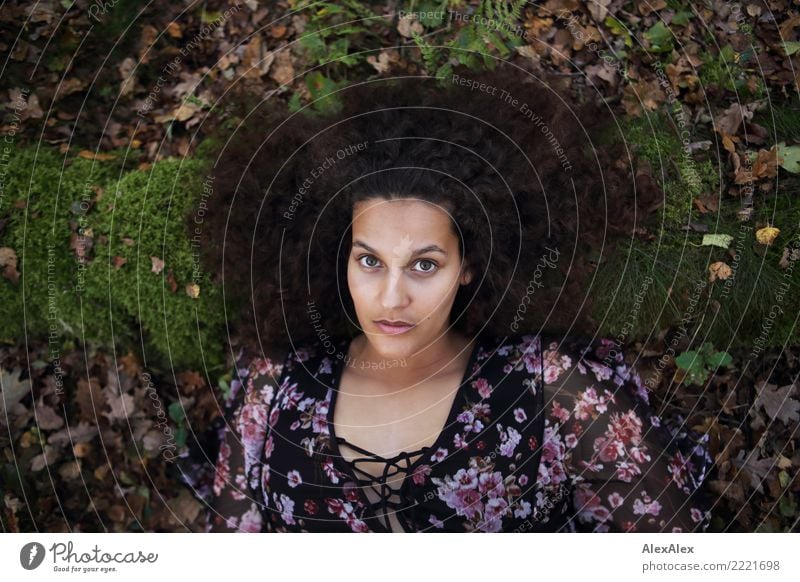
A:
403	264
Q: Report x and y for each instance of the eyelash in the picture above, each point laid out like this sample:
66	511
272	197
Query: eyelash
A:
433	270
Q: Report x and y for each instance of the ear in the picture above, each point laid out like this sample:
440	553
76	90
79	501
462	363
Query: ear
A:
466	276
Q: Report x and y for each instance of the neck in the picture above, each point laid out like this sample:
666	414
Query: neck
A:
446	356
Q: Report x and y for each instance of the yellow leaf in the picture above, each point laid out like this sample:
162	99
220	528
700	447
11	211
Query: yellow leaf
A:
767	234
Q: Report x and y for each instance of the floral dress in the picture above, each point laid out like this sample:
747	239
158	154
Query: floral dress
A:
543	436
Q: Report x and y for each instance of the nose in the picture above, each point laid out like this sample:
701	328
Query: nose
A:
394	294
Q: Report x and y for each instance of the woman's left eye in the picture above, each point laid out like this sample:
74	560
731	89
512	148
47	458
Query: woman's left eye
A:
428	266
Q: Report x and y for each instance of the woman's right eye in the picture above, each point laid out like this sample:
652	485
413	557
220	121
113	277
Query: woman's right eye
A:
368	258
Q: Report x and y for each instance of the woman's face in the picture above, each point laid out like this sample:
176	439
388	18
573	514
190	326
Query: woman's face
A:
404	266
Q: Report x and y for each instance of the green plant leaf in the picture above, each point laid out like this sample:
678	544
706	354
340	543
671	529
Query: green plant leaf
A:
659	37
717	240
791	157
719	359
791	47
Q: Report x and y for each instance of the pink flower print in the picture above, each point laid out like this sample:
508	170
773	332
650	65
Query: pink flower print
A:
466	478
615	500
310	507
266	394
325	366
591	466
639	454
483	387
533	443
289	395
626	427
509	438
697	515
480	445
467	503
294	478
523	510
523	480
269	447
335	506
285	505
437	523
553	448
330	470
571	441
266	367
559	413
608	448
252	427
273	415
471	424
251	521
481	409
319	423
419	474
531	362
655	420
491	484
508	368
350	490
641	508
627	471
265	473
519	415
601	372
679	467
459	442
439	455
493	515
357	525
223	469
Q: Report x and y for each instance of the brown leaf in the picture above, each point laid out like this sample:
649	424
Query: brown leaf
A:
118	261
173	284
777	403
89	398
158	265
8	260
96	156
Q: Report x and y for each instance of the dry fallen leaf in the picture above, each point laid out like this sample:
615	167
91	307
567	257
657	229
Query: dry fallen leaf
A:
776	402
767	234
158	265
193	290
8	260
718	270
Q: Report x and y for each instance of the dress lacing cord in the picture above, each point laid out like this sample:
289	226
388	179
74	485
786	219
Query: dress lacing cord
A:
380	485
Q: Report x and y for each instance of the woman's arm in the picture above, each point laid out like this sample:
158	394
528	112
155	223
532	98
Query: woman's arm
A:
237	504
627	470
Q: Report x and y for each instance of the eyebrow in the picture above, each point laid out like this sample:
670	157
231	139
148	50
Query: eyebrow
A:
422	251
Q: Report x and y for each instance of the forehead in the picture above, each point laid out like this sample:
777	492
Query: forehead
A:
405	212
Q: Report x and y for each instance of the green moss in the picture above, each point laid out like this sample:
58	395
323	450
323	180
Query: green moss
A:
678	173
140	215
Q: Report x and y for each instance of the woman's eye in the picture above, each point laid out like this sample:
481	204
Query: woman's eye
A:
426	266
368	258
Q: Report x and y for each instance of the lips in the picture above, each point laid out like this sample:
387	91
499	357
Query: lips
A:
393	327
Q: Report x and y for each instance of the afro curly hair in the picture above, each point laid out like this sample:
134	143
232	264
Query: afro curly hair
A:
537	187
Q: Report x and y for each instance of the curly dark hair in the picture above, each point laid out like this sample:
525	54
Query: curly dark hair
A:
537	188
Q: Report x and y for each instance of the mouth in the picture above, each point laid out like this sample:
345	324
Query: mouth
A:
393	327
